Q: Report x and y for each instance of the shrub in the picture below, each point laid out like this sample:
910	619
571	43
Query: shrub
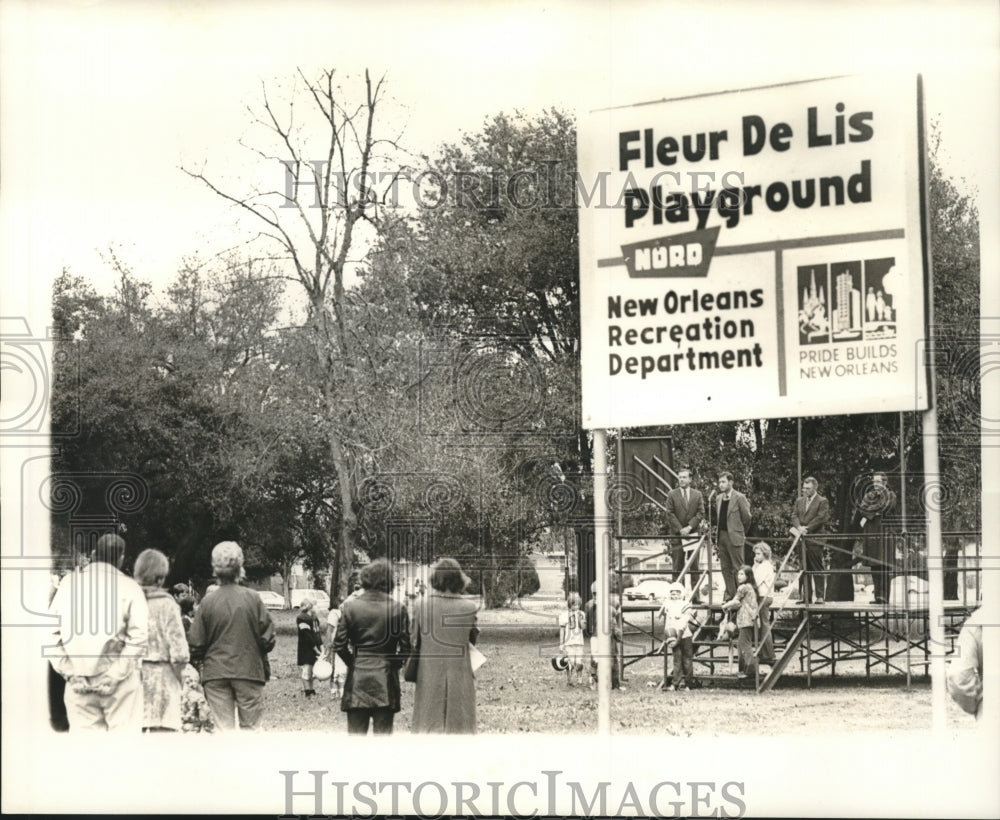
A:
499	584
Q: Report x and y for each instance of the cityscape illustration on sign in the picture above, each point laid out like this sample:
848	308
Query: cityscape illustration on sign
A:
848	301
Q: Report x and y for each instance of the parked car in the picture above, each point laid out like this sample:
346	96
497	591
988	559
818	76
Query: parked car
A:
648	589
272	600
319	597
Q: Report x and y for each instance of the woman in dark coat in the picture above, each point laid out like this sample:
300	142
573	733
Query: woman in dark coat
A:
443	626
373	641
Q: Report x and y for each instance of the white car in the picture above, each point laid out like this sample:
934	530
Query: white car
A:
319	597
648	589
272	600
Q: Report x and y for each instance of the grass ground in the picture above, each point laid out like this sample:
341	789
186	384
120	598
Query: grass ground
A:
518	691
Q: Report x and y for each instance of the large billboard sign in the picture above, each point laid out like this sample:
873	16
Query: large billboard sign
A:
753	254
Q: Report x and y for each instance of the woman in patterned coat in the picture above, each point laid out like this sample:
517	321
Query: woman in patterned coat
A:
167	653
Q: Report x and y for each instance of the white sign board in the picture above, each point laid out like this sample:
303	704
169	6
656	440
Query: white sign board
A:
753	254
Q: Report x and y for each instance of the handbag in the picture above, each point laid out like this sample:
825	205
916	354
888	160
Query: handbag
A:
412	662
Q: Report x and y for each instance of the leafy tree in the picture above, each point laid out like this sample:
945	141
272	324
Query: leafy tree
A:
196	397
490	269
127	418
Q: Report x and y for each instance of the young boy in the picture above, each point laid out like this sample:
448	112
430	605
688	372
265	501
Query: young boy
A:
679	626
572	624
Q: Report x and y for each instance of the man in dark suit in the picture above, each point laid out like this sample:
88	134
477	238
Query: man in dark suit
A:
878	500
732	519
810	515
685	511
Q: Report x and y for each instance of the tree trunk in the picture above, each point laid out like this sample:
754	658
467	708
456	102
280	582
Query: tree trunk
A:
348	519
335	596
286	582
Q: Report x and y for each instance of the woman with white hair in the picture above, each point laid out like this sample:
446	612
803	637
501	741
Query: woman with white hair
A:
167	650
231	636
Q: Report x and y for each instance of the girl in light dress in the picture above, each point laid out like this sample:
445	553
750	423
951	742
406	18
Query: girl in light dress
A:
572	625
746	604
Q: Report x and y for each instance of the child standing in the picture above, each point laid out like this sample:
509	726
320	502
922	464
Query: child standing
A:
572	624
763	573
746	605
614	618
339	668
590	631
187	612
309	644
196	716
678	639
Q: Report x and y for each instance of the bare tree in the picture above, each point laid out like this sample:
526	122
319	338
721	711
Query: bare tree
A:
333	192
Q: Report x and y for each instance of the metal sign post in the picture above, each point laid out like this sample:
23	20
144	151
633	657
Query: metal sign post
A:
935	577
601	550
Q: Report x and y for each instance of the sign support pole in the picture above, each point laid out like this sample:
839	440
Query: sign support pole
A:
902	471
798	454
932	470
935	573
601	560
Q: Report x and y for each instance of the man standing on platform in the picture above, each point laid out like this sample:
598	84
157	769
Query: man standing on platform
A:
877	502
732	517
810	515
685	511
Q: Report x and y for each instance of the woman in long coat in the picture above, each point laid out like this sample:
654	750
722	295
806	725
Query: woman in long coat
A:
167	650
441	629
373	641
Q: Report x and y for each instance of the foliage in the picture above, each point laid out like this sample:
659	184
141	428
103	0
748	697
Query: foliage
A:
428	403
190	397
490	277
501	584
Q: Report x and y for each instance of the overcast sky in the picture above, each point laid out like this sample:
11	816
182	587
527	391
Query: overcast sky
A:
102	102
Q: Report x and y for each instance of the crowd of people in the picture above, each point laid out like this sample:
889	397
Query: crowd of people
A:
131	655
687	515
747	570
